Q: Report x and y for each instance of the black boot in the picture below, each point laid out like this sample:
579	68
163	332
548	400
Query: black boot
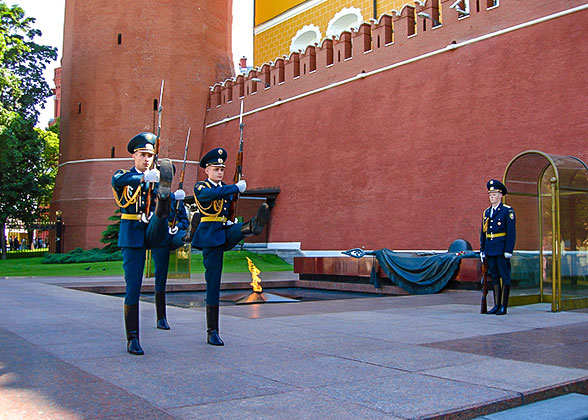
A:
496	306
193	225
255	226
212	326
505	295
166	175
132	328
160	309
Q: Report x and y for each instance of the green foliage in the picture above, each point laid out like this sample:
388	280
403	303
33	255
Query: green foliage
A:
24	175
29	157
110	235
78	255
22	62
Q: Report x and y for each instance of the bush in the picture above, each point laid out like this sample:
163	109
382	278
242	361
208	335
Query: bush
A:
78	255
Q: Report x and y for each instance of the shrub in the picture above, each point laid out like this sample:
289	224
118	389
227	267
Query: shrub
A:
78	255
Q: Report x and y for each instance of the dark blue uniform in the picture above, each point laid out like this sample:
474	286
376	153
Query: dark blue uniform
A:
498	236
135	236
213	235
170	242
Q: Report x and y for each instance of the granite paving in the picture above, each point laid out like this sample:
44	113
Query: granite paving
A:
63	356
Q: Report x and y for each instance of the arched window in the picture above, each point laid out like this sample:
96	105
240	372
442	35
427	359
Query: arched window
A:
307	35
344	20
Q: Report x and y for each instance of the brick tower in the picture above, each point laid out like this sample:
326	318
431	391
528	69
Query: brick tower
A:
115	55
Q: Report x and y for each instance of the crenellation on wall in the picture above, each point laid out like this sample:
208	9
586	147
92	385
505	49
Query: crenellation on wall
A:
292	66
392	38
342	47
362	39
381	32
403	23
227	91
277	72
309	59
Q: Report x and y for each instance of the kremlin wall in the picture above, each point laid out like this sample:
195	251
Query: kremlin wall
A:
386	136
382	137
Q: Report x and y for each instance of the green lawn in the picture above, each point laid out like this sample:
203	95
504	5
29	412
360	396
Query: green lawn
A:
234	262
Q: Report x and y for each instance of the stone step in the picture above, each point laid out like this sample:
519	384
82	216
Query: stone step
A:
565	407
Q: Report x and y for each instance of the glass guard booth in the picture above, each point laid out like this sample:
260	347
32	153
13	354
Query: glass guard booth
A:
549	194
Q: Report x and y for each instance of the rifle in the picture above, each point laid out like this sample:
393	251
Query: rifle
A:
146	215
181	186
239	167
484	306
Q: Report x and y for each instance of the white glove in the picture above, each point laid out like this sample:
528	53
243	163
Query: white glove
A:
173	230
482	256
151	175
242	185
507	255
179	195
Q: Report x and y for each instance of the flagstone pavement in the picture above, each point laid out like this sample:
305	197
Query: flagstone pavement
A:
63	356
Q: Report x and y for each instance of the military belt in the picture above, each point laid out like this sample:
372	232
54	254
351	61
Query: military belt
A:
495	235
213	219
127	216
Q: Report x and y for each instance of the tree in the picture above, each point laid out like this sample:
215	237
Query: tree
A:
28	156
22	62
110	235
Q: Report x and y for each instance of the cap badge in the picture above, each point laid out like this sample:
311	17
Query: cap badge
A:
220	151
149	136
220	160
491	182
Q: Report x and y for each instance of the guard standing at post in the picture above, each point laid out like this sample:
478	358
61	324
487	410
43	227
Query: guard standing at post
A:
497	241
215	234
140	228
178	225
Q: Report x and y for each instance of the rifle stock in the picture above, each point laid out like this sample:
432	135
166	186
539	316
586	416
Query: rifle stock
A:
484	304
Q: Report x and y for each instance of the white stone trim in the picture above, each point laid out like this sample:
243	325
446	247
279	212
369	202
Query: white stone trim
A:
288	14
295	45
340	15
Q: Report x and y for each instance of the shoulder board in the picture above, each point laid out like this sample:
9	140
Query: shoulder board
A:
202	184
507	206
121	171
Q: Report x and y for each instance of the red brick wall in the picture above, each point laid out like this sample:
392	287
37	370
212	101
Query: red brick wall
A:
108	91
400	159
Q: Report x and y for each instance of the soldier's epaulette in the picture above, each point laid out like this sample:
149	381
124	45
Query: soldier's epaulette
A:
201	185
507	206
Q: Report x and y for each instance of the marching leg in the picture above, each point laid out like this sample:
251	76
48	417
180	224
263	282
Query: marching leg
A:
255	226
160	309
132	329
163	207
213	337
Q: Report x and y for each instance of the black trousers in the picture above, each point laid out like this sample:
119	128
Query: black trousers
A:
499	268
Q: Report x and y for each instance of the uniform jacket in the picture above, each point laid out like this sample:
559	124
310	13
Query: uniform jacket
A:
502	221
212	201
131	201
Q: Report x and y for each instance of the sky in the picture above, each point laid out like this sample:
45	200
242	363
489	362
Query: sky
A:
49	19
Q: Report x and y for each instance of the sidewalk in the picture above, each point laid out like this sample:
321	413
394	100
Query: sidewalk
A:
62	356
